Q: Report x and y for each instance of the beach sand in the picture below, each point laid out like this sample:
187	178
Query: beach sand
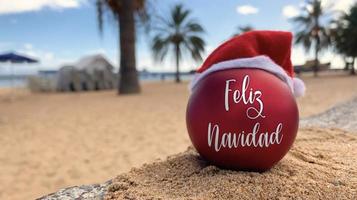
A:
317	167
52	141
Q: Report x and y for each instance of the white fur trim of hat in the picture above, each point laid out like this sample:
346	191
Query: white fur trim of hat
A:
296	85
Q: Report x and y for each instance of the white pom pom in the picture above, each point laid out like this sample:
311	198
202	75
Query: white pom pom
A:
299	87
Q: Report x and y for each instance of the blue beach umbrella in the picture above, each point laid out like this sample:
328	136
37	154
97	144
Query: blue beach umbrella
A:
12	57
16	58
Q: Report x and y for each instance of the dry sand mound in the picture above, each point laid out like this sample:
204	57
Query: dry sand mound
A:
342	115
321	165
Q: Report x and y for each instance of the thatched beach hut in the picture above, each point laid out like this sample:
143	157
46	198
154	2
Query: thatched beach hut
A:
89	73
100	71
68	79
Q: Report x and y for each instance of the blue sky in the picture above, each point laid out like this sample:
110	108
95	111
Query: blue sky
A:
62	31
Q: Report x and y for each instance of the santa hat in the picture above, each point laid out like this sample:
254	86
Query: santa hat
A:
266	50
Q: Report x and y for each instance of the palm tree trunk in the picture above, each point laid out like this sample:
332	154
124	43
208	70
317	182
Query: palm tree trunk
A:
316	63
128	78
177	52
346	63
353	72
317	47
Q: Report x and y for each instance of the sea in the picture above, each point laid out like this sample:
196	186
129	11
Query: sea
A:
10	82
20	81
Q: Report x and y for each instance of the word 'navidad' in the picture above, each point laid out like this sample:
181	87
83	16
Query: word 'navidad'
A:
235	140
246	96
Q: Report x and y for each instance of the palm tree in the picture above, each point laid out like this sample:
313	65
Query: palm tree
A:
180	33
243	29
344	37
311	31
337	39
123	12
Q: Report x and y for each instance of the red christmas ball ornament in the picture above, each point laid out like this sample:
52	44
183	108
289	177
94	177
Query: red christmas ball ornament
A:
242	112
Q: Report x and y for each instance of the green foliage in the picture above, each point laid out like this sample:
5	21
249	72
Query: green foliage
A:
178	33
243	29
310	30
345	33
111	10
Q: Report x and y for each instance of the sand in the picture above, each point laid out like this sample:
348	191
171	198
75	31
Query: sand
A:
52	141
324	92
317	167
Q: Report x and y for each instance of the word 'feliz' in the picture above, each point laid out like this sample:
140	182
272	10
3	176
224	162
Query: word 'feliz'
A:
245	97
253	138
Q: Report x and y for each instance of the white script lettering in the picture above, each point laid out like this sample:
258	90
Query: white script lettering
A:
219	140
246	96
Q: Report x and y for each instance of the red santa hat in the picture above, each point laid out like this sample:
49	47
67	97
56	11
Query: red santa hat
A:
266	50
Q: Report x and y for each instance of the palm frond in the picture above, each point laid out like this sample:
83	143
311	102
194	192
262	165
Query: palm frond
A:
179	14
345	41
303	38
196	46
178	33
193	27
160	47
111	9
309	29
99	6
302	19
243	29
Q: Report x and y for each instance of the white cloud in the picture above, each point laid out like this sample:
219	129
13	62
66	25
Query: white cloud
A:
97	51
290	11
46	58
28	46
336	60
343	5
147	62
298	56
18	6
247	10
